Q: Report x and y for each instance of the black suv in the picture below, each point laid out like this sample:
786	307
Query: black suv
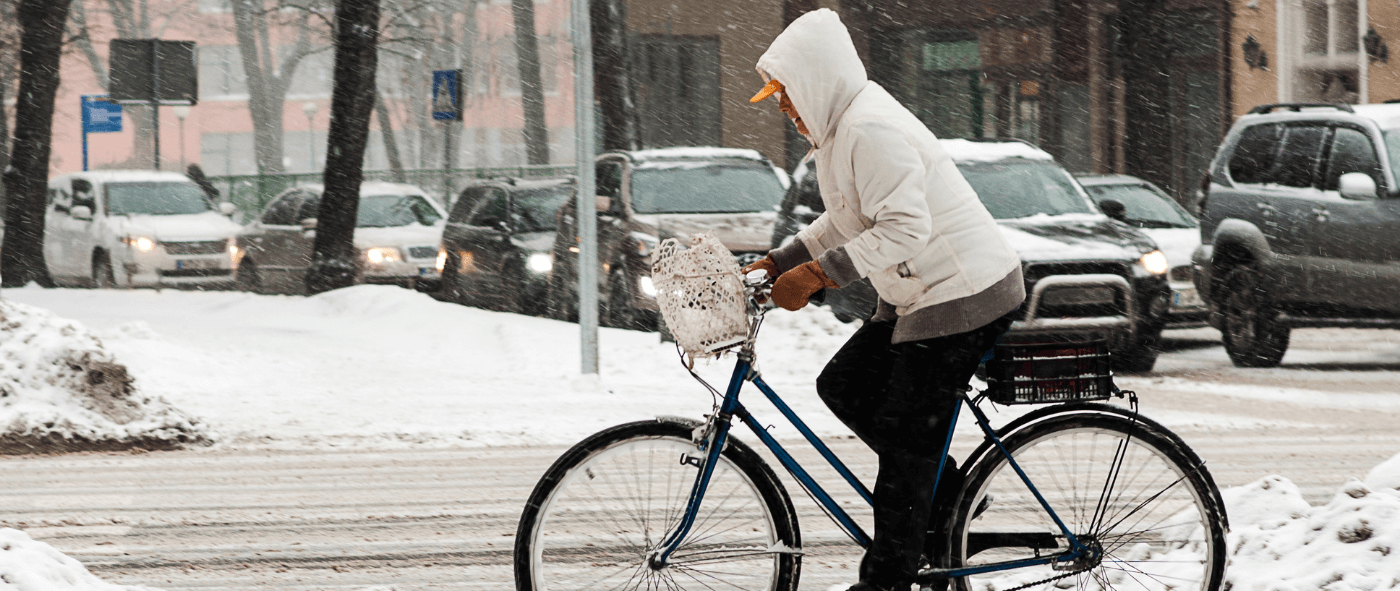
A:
646	196
1087	276
497	242
1300	226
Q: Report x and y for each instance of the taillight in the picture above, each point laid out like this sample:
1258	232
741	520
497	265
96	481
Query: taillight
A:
1205	194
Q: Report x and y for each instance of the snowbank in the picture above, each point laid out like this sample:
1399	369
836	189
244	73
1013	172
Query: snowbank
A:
27	565
1278	542
60	390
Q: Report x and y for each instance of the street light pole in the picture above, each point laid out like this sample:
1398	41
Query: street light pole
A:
587	206
309	108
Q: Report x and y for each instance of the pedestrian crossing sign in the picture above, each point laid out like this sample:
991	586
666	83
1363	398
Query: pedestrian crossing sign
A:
447	95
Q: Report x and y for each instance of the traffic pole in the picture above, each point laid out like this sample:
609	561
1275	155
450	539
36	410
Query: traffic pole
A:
587	208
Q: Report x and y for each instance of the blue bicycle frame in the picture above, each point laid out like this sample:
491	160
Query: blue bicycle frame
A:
719	432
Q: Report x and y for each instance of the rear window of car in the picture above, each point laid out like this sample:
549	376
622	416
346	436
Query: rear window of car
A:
705	187
1013	189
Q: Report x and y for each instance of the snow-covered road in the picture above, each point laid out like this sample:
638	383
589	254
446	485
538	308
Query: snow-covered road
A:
375	438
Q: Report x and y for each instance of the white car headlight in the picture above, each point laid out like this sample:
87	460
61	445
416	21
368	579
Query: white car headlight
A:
540	262
441	260
1155	262
383	254
140	243
648	287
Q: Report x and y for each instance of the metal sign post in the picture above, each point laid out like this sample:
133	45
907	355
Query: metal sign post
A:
99	116
447	107
587	207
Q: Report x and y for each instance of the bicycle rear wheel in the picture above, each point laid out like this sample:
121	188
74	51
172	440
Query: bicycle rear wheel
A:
1128	489
603	506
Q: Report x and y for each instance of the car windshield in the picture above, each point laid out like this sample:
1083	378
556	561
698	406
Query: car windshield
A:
156	198
705	187
385	211
535	208
1013	189
1392	148
1144	207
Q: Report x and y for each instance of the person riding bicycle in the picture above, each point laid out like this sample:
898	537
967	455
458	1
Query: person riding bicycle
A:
898	212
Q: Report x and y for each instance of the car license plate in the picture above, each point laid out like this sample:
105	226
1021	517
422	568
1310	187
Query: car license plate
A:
191	264
1186	297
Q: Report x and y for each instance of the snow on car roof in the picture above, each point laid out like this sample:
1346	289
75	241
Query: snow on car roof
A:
696	152
129	176
376	187
1386	115
991	151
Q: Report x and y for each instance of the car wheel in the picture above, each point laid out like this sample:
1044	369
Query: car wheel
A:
450	290
512	291
248	278
1253	335
1139	359
560	301
619	311
102	276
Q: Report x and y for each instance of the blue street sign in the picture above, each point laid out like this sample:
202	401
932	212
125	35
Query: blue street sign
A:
100	116
447	95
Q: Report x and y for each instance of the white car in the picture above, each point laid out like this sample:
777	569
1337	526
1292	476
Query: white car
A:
137	229
1175	231
397	230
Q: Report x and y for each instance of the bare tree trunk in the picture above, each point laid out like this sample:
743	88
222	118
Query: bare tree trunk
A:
527	53
26	181
1148	83
334	260
612	85
391	143
268	80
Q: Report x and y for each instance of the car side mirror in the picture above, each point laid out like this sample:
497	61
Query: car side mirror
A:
81	212
308	225
227	208
1357	186
604	203
1114	208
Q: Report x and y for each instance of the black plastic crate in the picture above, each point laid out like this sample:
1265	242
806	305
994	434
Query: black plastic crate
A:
1042	373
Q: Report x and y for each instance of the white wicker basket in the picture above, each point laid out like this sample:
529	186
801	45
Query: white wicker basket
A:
700	294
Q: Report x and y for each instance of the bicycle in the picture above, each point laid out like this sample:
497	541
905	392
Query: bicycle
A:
1078	493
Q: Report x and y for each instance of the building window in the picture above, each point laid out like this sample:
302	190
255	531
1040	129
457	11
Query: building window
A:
1323	65
221	73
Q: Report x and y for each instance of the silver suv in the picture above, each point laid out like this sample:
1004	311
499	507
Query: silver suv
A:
1300	226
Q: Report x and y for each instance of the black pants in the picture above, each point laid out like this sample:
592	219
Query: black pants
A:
898	398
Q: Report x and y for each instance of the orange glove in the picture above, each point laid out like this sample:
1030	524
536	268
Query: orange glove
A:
766	263
794	287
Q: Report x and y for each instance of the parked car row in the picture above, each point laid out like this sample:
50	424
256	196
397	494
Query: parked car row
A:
1300	227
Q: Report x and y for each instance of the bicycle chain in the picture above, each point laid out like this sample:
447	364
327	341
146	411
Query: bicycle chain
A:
1049	580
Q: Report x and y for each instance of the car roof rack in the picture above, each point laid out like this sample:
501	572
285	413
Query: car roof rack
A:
1297	107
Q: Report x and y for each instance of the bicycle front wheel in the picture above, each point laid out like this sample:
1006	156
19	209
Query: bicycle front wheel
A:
606	504
1129	490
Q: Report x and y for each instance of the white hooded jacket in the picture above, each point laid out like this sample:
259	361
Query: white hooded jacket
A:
897	209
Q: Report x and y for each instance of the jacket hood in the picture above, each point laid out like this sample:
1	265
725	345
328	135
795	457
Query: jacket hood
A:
817	63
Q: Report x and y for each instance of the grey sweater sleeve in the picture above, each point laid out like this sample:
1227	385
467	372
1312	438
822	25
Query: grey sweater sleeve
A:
838	266
790	256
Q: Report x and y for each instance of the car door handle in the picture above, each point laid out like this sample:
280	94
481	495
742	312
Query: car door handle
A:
1321	214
